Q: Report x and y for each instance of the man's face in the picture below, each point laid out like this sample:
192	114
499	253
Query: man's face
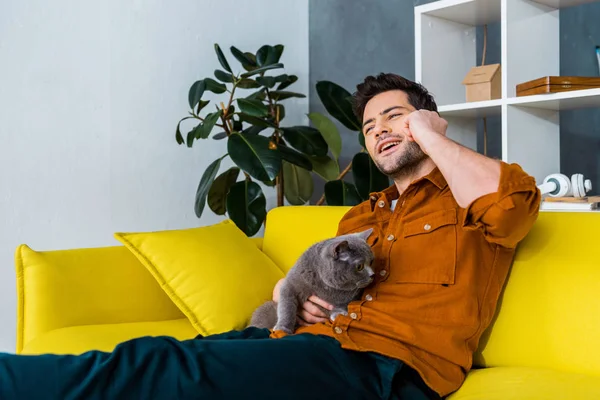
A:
384	141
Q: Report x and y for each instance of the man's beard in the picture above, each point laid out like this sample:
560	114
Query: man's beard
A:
405	163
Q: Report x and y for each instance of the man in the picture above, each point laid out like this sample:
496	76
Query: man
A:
446	233
444	237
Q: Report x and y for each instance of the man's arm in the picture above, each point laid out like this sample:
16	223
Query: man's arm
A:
501	200
469	174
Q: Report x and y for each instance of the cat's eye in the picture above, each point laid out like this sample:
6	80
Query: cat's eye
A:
360	267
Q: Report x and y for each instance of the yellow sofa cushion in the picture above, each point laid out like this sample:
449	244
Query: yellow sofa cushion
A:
290	230
549	314
516	383
63	288
105	337
215	274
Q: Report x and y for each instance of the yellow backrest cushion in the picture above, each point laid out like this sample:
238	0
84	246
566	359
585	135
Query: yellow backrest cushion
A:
290	230
215	274
550	309
549	314
64	288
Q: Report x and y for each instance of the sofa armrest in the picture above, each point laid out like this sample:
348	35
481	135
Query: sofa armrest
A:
58	289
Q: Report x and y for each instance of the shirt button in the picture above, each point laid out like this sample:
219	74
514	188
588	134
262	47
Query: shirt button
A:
427	227
390	238
382	272
369	297
381	204
373	198
353	315
338	330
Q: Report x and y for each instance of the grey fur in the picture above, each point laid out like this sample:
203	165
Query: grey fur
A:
330	270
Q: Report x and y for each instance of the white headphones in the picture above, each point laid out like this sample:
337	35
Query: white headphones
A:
559	185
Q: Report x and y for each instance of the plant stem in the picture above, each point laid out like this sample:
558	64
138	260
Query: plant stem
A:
226	122
279	183
344	172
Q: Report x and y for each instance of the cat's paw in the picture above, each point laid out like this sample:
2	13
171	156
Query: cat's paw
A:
283	329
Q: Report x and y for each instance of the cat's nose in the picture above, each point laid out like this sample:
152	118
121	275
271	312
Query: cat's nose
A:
372	275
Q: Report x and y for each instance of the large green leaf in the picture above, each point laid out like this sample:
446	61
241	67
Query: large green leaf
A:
247	206
217	194
254	130
223	76
335	100
325	167
255	108
214	86
267	55
257	121
201	105
278	52
258	95
294	157
267	81
205	182
253	154
340	193
248	84
261	70
237	126
329	131
178	136
222	59
287	82
367	176
220	135
204	129
279	95
298	185
196	92
241	57
306	139
190	137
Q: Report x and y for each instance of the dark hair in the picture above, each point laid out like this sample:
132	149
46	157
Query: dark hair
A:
418	96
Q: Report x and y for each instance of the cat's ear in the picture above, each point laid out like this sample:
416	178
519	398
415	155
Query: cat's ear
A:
339	249
364	235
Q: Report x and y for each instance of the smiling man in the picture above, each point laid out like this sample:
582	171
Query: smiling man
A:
445	236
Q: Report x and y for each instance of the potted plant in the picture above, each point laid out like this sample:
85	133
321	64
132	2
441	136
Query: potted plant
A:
263	149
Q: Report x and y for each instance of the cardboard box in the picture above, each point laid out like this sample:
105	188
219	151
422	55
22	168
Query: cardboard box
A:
483	83
554	84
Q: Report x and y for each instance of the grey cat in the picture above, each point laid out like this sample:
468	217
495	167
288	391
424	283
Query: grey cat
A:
335	270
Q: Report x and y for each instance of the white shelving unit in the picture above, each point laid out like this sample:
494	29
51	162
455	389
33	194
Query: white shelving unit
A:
445	50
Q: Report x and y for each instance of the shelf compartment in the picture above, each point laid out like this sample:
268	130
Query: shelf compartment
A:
446	45
576	99
476	109
563	3
466	12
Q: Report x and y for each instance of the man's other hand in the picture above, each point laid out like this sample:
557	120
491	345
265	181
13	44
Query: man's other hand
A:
309	313
419	124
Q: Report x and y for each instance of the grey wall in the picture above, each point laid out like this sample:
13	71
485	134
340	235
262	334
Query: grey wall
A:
350	39
580	129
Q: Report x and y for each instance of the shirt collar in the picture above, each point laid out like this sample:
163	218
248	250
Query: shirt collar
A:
391	193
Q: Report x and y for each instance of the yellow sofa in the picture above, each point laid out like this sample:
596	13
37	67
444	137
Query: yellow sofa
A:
543	344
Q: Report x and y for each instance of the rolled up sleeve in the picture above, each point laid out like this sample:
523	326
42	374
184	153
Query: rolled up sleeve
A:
507	215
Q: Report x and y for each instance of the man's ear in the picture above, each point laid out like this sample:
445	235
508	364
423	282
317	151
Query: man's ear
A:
339	249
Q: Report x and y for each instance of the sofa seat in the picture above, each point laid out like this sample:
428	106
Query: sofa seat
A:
508	383
105	337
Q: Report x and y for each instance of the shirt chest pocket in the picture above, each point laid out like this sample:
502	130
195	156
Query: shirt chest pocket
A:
425	252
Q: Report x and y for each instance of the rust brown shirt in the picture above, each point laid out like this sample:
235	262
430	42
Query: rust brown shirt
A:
440	270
